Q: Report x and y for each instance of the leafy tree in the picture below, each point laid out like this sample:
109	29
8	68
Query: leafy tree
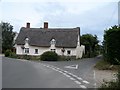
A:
112	45
7	36
91	44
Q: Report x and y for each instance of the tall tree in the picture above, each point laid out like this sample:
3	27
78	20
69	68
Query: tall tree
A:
91	44
7	36
112	45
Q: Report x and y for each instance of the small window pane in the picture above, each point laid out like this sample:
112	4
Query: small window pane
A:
26	50
36	51
68	52
53	50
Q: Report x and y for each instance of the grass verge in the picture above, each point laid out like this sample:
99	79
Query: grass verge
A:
104	65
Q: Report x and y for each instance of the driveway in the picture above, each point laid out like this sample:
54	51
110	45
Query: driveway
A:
28	74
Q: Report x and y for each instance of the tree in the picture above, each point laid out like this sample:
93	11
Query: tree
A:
91	44
111	45
7	36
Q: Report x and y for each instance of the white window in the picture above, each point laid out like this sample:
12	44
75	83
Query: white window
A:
26	40
53	42
36	51
26	50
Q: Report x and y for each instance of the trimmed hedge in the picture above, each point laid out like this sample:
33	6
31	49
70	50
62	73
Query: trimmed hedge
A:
49	56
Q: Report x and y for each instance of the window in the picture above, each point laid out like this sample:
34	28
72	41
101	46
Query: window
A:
26	50
68	52
53	50
26	40
36	51
53	41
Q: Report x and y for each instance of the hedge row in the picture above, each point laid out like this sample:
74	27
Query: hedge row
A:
112	45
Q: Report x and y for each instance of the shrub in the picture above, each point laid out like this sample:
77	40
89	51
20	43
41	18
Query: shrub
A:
112	85
8	53
13	55
49	56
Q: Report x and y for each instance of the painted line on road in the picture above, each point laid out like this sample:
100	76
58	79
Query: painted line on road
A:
82	86
77	82
72	78
94	78
86	82
69	75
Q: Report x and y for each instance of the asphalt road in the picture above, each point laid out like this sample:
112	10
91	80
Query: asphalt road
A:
29	74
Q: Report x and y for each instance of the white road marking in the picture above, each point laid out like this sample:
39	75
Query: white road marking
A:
66	71
72	66
86	82
77	82
72	78
73	75
82	86
55	69
94	78
79	78
60	71
67	74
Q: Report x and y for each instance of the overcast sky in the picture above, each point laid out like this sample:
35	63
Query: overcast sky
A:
91	16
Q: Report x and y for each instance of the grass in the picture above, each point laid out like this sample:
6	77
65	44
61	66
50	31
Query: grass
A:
109	85
104	65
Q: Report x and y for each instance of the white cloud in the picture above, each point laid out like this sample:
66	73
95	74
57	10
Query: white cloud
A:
93	17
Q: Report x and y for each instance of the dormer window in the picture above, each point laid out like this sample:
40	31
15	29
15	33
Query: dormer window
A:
26	40
53	42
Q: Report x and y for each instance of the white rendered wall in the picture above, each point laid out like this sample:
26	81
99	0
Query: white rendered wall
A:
19	50
41	50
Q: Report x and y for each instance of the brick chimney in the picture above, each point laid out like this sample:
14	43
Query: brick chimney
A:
45	25
27	25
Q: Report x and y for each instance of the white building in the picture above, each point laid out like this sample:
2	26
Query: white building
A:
35	41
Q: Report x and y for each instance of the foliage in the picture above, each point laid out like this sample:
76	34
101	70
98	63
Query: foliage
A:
111	45
7	36
112	85
28	57
91	44
49	56
8	53
104	65
67	58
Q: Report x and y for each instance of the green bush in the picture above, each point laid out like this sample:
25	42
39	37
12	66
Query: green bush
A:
8	53
49	56
13	55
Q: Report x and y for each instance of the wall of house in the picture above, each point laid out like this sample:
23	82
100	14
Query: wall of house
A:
19	50
41	50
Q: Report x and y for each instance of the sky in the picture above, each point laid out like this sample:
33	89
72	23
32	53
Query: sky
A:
92	16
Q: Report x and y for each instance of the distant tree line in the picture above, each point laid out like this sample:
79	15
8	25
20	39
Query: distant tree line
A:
92	48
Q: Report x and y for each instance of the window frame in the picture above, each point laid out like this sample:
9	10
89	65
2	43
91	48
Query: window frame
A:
68	52
53	50
36	52
26	50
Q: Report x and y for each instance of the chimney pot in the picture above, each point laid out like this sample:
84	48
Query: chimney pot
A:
45	25
28	25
